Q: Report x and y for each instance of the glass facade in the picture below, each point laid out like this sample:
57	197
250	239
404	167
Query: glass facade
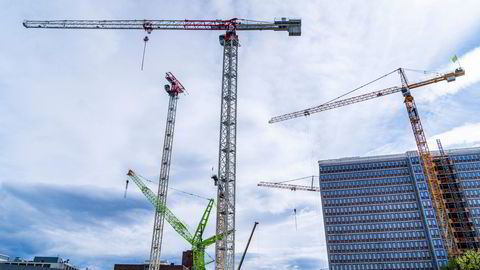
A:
378	213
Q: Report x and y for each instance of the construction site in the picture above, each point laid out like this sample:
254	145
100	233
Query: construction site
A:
158	179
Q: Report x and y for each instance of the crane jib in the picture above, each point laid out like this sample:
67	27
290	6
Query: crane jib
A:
293	26
450	76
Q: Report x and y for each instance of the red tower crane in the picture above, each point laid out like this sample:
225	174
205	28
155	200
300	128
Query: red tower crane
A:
224	248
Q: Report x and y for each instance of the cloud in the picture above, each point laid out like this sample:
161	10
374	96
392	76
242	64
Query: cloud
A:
470	62
467	135
76	224
77	113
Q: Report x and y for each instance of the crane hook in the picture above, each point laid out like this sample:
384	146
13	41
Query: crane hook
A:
126	187
145	40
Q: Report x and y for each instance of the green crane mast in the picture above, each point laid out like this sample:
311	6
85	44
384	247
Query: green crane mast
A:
198	244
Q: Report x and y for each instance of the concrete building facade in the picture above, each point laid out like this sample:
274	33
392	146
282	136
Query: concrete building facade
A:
378	213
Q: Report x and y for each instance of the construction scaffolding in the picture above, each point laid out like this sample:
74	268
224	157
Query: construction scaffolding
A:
459	218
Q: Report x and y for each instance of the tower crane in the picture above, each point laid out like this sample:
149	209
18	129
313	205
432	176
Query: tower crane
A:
283	185
198	244
173	90
224	248
420	138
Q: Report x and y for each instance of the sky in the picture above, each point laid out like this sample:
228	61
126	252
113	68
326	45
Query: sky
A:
77	113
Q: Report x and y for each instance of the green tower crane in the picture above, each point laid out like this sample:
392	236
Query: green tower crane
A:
198	244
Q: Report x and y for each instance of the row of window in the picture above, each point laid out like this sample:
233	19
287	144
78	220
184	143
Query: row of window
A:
370	200
432	223
370	247
419	177
376	257
466	158
472	193
468	166
469	175
397	226
476	221
366	183
371	209
437	243
475	212
417	169
415	160
376	237
470	184
384	266
372	218
422	186
427	204
364	166
368	191
474	202
363	175
429	214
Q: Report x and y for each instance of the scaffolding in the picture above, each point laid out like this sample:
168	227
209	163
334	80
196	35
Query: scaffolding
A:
459	217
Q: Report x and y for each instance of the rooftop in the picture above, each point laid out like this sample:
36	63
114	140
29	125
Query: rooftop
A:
460	151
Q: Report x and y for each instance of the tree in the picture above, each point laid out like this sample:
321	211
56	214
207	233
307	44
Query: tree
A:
468	261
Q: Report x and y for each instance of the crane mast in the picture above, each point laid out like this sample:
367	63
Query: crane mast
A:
227	154
225	246
428	166
173	90
429	169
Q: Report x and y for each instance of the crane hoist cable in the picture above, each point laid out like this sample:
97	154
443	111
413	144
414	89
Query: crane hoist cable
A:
126	187
178	190
296	179
148	27
379	78
362	86
145	40
295	214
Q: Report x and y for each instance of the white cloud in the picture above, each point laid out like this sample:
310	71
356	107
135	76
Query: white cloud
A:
470	62
467	135
76	110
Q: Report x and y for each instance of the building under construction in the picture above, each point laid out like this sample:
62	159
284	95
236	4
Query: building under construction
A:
379	213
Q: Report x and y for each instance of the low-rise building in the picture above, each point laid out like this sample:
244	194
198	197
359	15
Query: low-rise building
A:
144	266
55	263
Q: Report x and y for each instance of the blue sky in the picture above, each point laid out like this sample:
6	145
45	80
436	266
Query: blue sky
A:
76	113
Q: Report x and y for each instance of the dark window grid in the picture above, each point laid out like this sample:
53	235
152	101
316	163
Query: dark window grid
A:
365	210
378	218
388	258
376	239
363	175
363	167
351	229
379	246
427	265
400	189
369	182
358	202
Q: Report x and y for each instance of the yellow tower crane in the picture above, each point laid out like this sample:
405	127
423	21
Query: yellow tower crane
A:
418	132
